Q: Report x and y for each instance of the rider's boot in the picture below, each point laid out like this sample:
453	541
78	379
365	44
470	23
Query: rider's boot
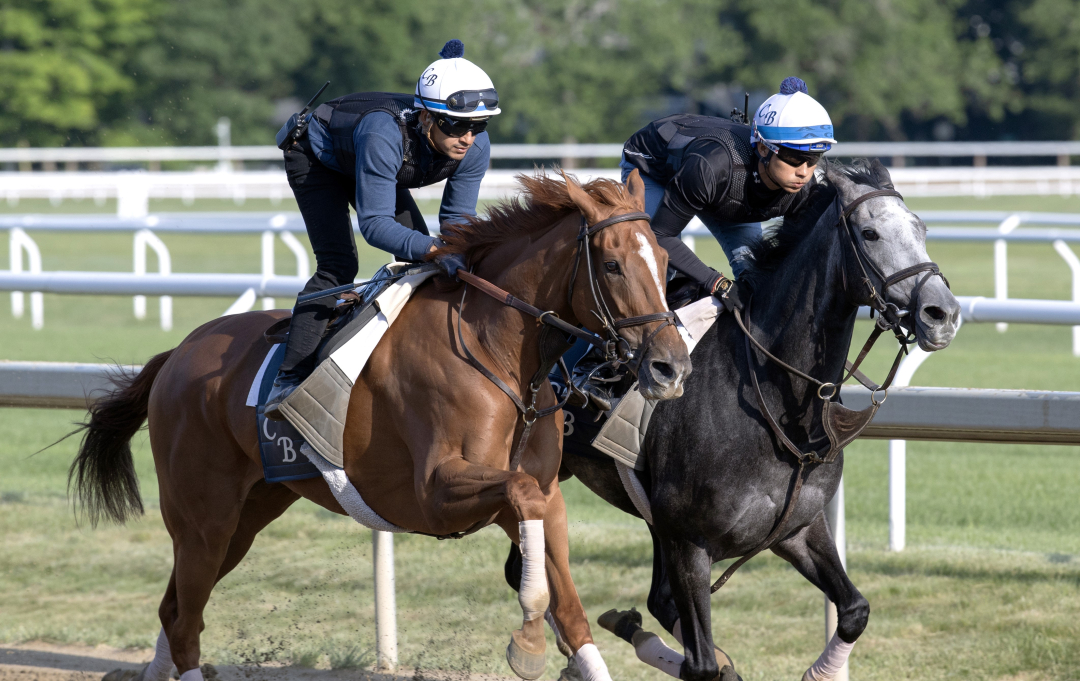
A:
286	382
589	393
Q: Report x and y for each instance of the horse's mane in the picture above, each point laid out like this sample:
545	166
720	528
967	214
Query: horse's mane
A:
776	244
543	202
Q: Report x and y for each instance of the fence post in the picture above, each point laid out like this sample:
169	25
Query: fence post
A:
1074	265
834	513
19	241
267	264
386	656
1001	264
145	238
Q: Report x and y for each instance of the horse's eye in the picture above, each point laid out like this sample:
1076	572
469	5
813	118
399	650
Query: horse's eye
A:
612	266
870	235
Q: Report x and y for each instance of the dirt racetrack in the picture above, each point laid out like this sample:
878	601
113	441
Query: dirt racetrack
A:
47	662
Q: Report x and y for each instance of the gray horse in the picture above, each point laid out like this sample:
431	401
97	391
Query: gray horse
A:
719	479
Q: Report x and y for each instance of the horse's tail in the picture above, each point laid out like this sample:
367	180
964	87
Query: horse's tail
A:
103	473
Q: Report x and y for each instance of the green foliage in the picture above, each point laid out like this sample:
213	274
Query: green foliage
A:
164	71
62	61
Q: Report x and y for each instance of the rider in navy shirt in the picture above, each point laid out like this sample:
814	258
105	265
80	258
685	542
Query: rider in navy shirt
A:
369	149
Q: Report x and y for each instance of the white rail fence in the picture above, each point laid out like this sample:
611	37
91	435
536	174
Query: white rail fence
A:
283	224
133	190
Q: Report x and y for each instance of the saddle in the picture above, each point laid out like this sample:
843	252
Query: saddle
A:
318	406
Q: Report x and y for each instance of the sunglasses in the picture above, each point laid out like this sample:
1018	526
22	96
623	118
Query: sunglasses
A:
795	158
466	101
459	127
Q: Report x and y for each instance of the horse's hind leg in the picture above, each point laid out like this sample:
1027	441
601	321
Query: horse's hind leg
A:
812	552
203	555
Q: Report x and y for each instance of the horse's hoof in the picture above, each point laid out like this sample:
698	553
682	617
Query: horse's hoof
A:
622	623
526	660
571	672
125	674
727	673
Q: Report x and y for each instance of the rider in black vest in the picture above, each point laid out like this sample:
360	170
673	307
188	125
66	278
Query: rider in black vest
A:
369	149
731	176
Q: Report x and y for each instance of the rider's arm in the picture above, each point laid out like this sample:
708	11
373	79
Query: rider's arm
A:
696	186
378	160
463	188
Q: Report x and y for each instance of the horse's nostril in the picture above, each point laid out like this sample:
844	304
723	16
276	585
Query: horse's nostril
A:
663	370
934	312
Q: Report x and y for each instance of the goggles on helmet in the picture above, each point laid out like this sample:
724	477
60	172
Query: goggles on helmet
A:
459	127
464	101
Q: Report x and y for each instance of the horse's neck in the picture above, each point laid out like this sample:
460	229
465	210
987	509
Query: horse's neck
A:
534	268
803	314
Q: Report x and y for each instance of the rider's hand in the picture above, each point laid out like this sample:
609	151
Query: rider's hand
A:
449	262
727	292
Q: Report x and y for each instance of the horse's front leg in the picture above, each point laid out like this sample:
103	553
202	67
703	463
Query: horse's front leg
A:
812	552
568	617
466	493
688	572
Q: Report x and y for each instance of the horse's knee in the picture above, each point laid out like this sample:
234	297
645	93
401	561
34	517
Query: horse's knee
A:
524	496
852	620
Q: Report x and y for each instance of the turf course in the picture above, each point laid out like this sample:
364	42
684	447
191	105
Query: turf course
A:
989	587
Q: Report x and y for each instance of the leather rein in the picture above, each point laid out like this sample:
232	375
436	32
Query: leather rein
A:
616	349
889	319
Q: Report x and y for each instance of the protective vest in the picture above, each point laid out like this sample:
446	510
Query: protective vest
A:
672	135
420	166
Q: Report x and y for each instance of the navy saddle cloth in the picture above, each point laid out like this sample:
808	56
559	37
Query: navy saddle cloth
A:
279	442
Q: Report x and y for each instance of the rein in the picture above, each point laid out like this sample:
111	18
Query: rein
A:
842	425
616	349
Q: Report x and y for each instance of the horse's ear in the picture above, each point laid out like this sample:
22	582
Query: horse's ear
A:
636	185
881	174
585	203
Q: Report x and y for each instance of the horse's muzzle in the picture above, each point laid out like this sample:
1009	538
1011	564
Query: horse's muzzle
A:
937	316
664	370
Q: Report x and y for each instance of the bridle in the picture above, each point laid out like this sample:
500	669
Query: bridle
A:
842	425
617	350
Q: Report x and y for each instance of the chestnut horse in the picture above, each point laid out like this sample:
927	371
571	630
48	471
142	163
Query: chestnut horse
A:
428	437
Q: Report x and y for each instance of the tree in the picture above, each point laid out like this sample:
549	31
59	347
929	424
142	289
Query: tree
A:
61	64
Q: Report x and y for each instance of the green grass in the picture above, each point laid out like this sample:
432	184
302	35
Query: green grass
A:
989	587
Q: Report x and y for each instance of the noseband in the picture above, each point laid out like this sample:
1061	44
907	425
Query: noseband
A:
616	348
841	425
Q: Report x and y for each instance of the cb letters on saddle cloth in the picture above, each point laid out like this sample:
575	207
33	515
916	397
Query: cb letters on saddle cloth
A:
316	410
623	434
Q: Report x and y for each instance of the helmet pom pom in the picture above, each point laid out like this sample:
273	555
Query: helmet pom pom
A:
455	48
790	86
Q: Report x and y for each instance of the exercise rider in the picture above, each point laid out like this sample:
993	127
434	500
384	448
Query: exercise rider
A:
369	149
731	175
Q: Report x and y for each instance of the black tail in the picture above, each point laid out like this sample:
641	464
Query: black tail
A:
103	473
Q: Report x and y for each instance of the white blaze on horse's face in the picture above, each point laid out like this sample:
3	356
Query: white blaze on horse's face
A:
895	239
648	254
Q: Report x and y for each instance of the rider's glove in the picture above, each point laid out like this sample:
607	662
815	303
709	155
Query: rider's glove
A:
727	292
450	262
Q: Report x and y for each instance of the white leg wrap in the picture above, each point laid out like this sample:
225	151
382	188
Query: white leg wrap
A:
162	665
652	650
590	664
192	675
533	594
830	661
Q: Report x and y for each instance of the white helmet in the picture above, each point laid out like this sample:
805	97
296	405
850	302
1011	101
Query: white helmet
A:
793	119
456	87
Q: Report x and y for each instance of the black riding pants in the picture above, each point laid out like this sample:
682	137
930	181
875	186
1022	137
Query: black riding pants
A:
324	196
